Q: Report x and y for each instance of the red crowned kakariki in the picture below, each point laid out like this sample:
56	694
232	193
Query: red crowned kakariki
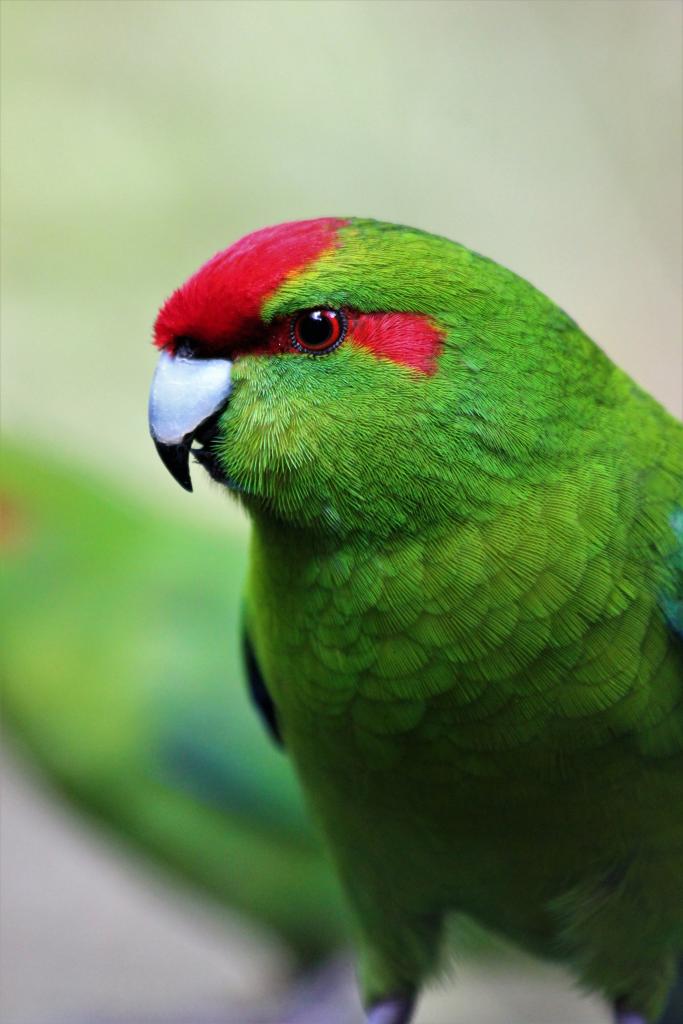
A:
464	609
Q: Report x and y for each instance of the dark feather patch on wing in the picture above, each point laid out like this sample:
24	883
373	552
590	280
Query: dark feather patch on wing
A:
259	691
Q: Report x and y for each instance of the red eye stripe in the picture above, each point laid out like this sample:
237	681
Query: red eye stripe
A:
272	340
410	339
407	339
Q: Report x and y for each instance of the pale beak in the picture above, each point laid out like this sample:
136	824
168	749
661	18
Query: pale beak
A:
185	393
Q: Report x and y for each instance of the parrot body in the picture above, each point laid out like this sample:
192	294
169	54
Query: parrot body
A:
464	593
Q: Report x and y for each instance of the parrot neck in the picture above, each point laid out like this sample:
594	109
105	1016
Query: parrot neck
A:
289	541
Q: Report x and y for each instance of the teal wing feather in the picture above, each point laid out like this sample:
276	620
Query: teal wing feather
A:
673	605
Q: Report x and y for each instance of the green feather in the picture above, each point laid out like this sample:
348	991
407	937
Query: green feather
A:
456	594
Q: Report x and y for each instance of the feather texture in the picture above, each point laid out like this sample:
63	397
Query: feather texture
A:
461	594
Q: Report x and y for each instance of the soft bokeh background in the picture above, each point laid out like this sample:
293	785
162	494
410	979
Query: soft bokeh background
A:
141	136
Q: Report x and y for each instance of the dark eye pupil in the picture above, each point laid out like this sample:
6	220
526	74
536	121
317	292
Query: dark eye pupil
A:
315	328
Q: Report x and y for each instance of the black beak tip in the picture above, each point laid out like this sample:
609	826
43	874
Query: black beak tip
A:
176	458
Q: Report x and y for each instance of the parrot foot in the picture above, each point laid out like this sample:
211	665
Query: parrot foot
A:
396	1010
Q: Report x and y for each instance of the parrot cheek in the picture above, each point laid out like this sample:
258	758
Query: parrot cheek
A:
264	453
279	444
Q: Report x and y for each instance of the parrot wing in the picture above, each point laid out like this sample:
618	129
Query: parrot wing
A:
260	696
547	638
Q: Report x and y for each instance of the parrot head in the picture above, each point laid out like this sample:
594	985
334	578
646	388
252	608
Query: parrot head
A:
352	374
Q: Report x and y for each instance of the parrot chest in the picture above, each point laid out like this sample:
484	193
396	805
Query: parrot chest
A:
434	712
429	651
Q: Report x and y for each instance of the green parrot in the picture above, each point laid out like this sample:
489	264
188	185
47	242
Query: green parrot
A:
464	600
114	683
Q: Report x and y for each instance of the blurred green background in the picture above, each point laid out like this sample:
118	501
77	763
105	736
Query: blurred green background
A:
139	137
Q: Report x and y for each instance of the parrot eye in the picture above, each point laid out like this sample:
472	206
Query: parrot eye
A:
318	330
